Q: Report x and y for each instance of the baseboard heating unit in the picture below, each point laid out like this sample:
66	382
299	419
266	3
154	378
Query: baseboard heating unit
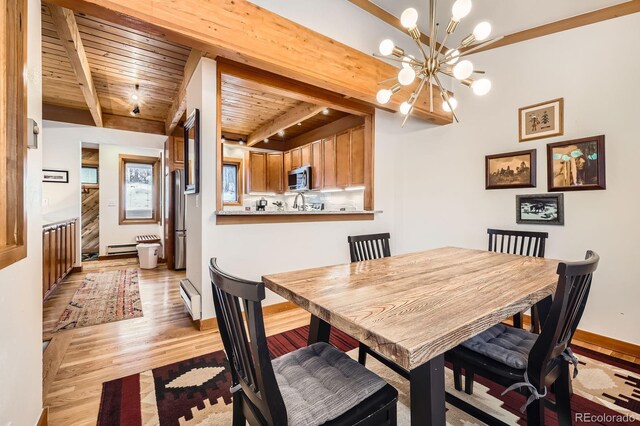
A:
191	298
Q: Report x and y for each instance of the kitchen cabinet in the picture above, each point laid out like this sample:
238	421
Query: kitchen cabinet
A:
178	151
342	158
256	172
59	251
329	162
305	154
275	175
357	157
316	165
296	158
286	161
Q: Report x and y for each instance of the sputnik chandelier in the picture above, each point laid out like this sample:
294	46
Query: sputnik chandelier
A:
435	61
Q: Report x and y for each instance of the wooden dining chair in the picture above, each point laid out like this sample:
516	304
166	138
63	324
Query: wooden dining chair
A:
531	363
316	385
369	247
523	243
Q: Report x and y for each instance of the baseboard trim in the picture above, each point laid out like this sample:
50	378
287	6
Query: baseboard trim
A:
599	340
211	323
44	417
118	256
76	269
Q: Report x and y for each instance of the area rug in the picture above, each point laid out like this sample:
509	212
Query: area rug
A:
196	391
103	297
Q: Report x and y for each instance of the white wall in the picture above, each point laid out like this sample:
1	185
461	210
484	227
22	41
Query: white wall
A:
63	144
442	200
111	232
62	201
21	283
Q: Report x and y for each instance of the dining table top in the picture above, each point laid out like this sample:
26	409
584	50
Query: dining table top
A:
416	306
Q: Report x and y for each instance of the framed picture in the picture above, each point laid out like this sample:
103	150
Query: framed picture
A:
511	170
540	209
576	165
57	176
192	153
542	120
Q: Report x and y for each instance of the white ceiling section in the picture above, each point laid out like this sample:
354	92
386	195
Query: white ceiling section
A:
505	16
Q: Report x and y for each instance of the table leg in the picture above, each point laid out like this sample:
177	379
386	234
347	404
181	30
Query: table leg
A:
318	331
427	390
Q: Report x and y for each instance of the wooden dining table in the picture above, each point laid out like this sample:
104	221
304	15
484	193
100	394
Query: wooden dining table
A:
414	307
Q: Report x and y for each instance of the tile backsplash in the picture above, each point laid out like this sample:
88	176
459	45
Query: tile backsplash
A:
333	201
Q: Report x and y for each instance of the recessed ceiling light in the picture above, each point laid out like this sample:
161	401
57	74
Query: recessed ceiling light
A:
281	133
134	97
299	124
325	111
266	140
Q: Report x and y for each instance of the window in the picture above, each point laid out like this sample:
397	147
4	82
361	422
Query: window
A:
89	175
13	132
232	182
139	189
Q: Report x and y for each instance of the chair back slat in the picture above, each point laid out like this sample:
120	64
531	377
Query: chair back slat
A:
524	243
369	247
569	301
245	343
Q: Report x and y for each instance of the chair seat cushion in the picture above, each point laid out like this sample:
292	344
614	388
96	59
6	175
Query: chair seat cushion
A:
319	383
508	345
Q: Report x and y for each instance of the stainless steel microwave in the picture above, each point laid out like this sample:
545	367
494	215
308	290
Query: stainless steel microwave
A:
300	179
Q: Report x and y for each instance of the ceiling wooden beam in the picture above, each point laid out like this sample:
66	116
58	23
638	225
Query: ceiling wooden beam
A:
82	116
387	17
179	104
244	32
286	120
67	29
615	11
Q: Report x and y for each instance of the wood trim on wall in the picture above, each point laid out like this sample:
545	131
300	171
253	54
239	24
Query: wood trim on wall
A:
13	132
155	163
44	417
240	186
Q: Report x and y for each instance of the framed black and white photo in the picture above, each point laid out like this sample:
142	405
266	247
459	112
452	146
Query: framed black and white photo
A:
540	209
57	176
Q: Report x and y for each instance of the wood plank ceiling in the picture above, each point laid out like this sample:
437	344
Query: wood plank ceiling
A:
119	58
246	109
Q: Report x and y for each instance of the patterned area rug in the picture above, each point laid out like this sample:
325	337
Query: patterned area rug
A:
103	297
196	391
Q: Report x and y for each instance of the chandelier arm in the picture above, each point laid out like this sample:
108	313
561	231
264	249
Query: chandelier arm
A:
433	39
397	60
419	43
478	46
415	98
445	96
442	45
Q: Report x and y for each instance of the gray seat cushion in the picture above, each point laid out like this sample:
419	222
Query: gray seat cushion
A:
319	383
508	345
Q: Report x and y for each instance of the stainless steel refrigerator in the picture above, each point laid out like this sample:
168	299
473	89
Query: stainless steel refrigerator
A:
180	232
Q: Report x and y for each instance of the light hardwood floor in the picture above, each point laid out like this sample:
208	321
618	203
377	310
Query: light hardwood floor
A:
78	361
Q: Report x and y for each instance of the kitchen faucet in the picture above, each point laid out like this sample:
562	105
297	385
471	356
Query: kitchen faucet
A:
295	202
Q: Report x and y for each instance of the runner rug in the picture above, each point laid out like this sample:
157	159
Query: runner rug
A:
103	297
196	391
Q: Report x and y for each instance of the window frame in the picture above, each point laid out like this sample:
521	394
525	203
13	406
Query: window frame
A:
237	162
139	159
13	135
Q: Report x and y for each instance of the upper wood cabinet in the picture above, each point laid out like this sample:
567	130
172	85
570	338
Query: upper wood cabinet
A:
305	154
342	158
256	172
329	162
357	156
178	150
296	158
275	175
287	168
316	165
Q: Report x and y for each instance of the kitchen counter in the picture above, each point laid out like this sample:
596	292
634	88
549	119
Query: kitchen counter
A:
273	216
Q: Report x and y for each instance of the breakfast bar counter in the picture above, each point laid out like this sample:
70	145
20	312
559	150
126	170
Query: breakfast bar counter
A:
230	217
